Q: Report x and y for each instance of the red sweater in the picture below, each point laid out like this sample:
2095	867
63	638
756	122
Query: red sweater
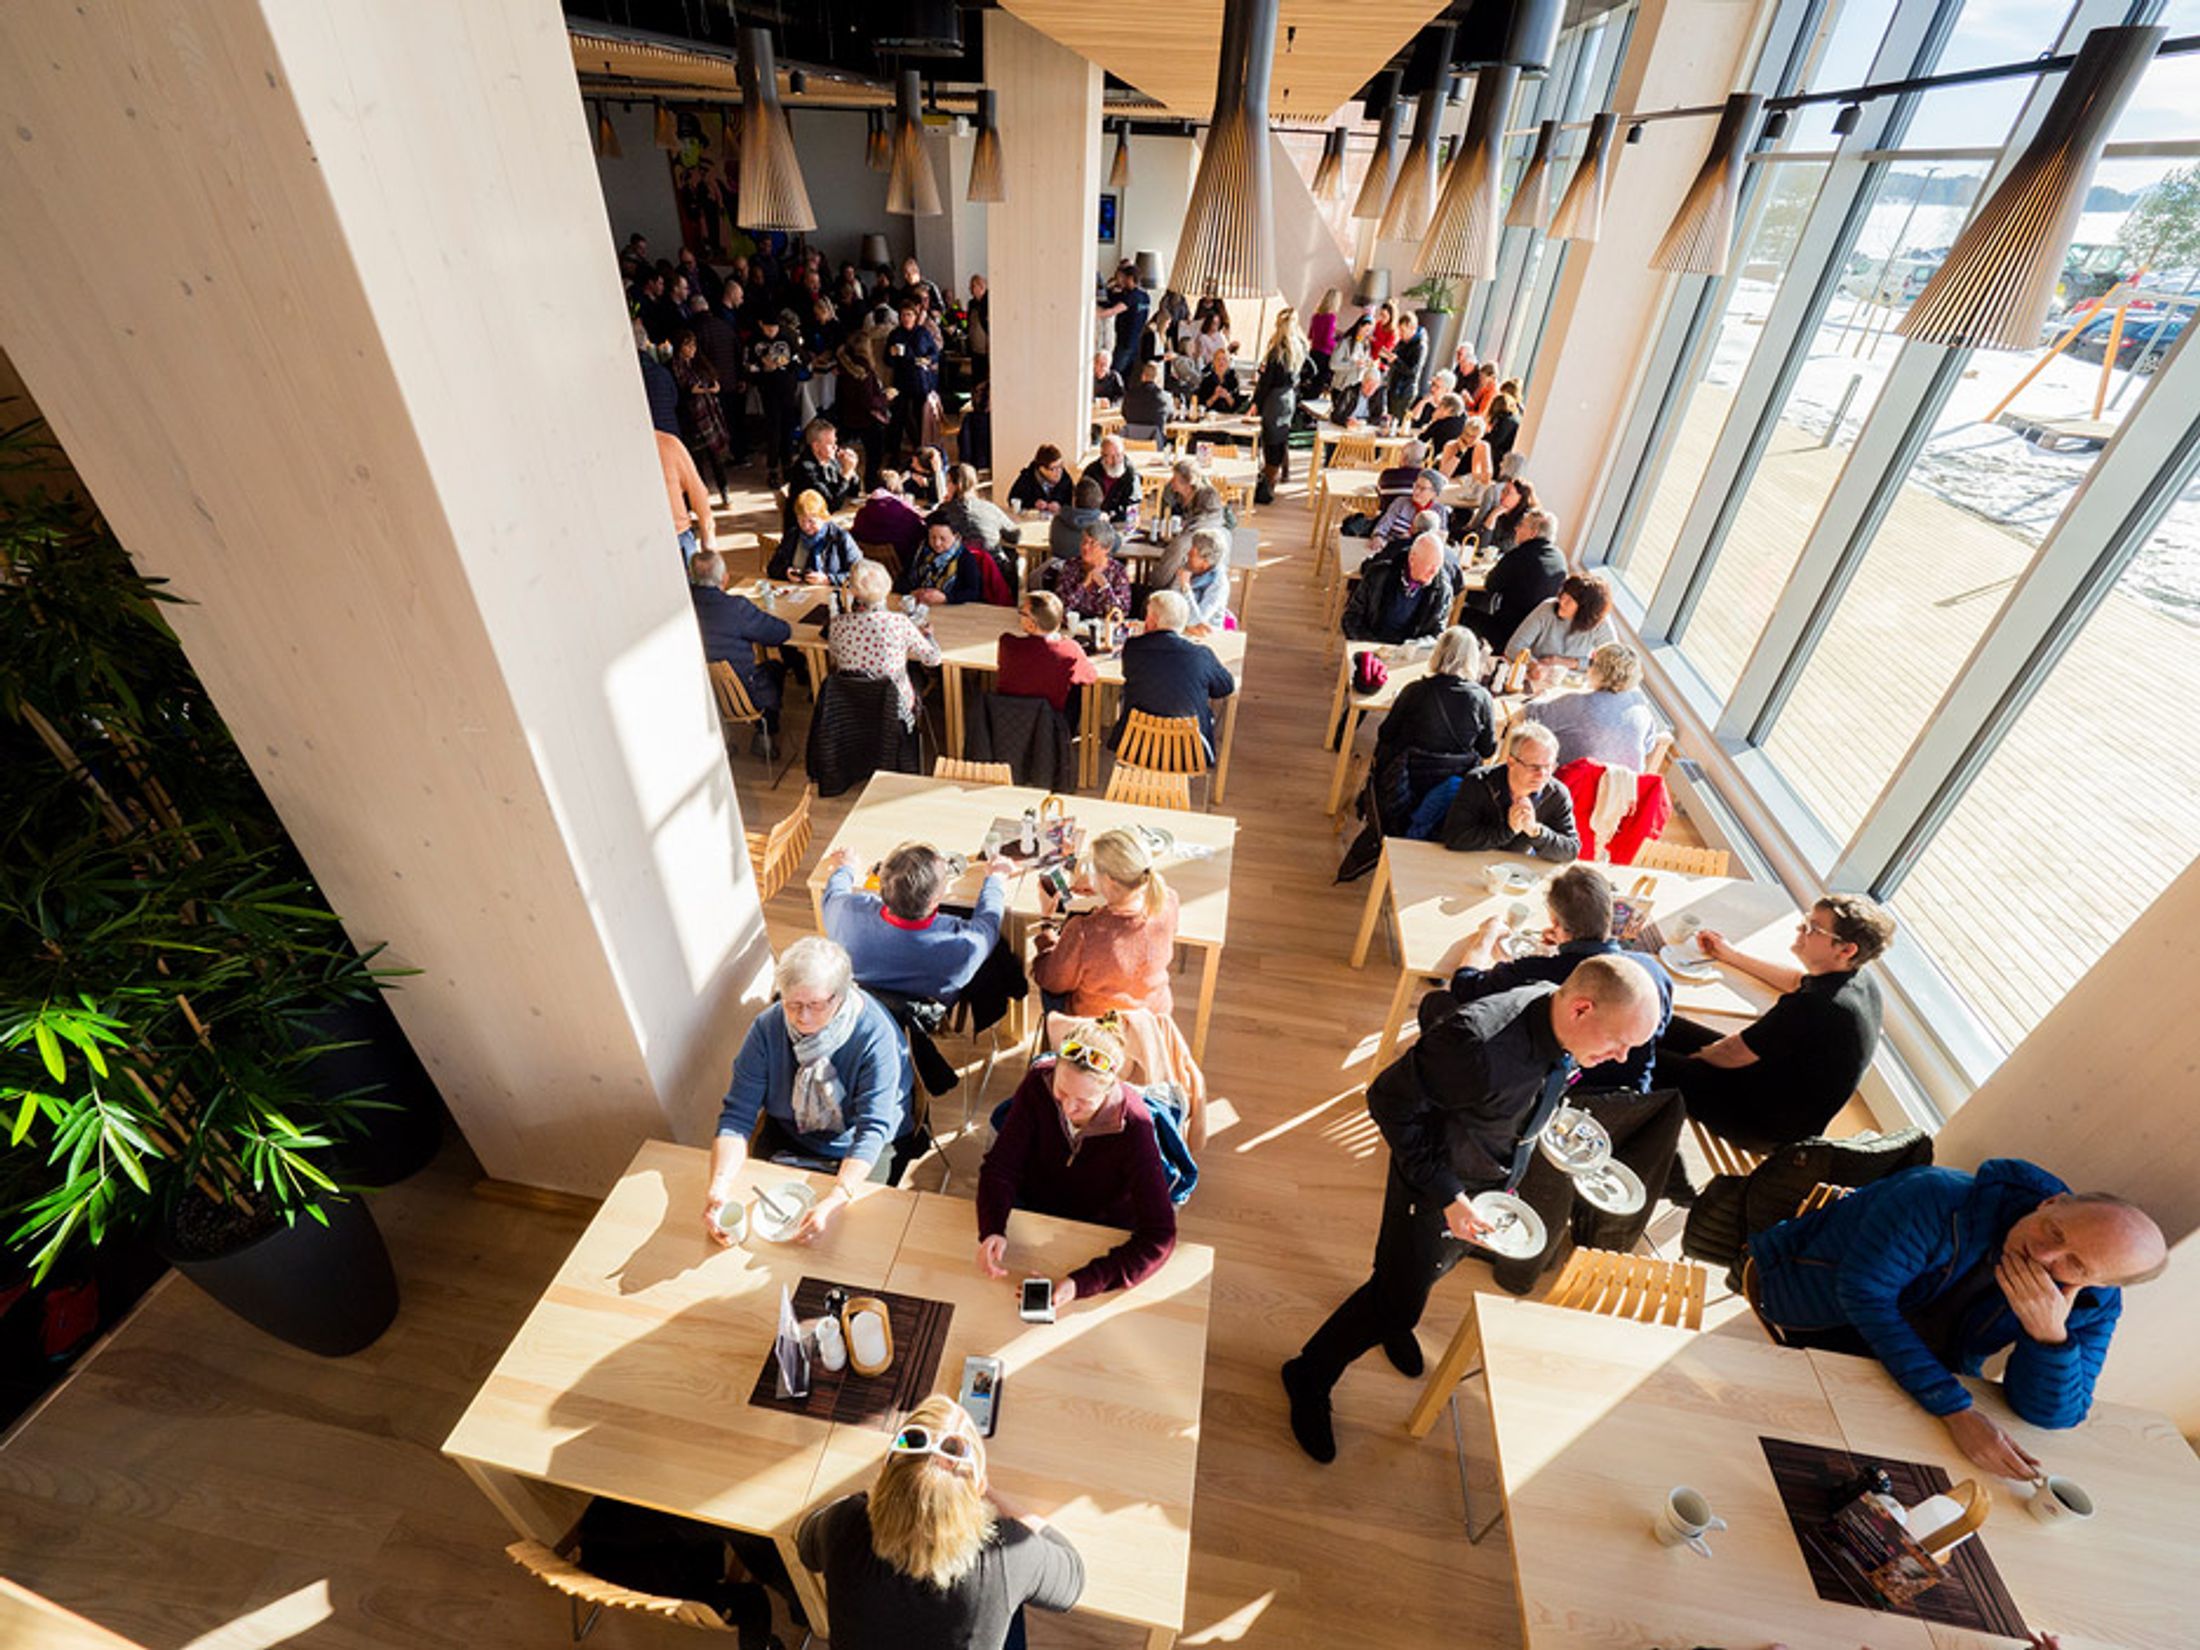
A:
1042	667
1111	1175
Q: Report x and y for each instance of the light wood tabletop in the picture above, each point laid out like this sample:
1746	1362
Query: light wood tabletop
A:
1596	1419
953	815
631	1378
1438	898
1327	435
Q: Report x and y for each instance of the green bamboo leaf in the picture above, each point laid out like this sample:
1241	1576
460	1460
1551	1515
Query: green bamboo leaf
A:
27	1115
49	1050
314	1209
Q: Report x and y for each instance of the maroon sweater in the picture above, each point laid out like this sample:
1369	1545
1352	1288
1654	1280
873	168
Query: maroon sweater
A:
1111	1175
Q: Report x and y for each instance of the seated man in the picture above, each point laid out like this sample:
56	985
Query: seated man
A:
1107	383
1510	807
1095	584
823	467
823	1075
1785	1074
733	629
1932	1271
1400	477
898	939
1363	404
1077	1142
1403	599
1040	662
1525	576
1147	407
1204	579
1167	674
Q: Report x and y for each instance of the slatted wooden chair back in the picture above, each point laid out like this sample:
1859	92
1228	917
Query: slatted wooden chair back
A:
554	1570
1352	452
1818	1197
1149	789
1695	862
776	854
1168	744
1721	1153
973	773
1235	494
1641	1287
1134	446
735	707
884	554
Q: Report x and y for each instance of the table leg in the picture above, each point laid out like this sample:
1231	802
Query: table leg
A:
537	1510
1344	757
1314	465
1388	1044
1088	758
1160	1638
806	1586
1222	750
1378	886
951	688
1207	976
1443	1380
1336	701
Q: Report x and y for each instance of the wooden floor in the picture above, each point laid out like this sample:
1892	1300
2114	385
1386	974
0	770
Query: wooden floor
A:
194	1472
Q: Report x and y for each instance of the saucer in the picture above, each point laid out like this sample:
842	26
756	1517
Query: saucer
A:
1686	962
778	1209
1612	1187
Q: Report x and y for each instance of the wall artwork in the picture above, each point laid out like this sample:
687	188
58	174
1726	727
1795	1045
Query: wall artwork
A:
703	183
1107	220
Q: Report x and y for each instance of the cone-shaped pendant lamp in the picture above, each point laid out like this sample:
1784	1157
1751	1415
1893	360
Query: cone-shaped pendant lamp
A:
1119	169
607	138
772	194
1229	231
668	128
985	154
1531	202
1413	196
1702	232
1994	289
910	186
877	152
1329	171
1462	236
1382	166
1580	214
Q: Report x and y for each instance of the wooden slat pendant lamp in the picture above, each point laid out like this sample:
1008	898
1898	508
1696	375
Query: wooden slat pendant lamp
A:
910	186
1413	196
1702	231
1531	202
1329	171
1580	214
985	153
607	136
877	152
1994	290
1382	166
772	194
1229	230
1462	236
668	128
1119	169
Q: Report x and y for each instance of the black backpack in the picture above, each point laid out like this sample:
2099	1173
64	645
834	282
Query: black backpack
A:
1735	1208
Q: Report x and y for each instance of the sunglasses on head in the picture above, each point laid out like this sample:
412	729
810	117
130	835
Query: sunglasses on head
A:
919	1439
1102	1060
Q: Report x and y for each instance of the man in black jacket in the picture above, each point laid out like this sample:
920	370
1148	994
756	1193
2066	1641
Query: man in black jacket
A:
1147	407
1167	674
1107	383
1461	1110
1408	361
733	627
1516	806
1529	573
822	467
1401	599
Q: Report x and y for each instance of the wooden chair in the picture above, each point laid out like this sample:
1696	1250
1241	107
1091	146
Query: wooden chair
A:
1819	1196
1131	446
737	710
882	553
1721	1153
554	1569
1163	744
1695	862
973	773
1352	452
776	854
1149	789
1642	1288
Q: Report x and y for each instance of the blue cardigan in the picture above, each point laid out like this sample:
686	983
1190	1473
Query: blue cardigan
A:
876	1080
933	962
1898	1244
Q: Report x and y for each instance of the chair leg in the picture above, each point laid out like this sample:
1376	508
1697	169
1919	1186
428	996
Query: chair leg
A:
581	1629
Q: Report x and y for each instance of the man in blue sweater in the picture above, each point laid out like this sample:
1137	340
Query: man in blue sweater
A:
898	938
1932	1271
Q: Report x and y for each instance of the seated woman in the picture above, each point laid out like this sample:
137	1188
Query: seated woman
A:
819	550
1042	486
1095	584
1204	580
1424	411
973	516
922	1559
1116	956
1447	712
1041	662
1078	1143
1569	626
1219	390
1466	455
1116	476
824	1074
946	572
1499	521
871	639
1202	508
1504	417
1611	724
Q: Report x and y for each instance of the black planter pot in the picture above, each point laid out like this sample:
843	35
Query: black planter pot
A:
329	1289
400	1141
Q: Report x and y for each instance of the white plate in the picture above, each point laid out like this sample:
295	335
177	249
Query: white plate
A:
1688	963
1612	1187
1575	1141
1158	841
771	1221
1517	1241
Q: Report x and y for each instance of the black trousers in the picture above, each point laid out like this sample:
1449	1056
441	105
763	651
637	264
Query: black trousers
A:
1738	1103
773	1141
1646	1132
1413	1248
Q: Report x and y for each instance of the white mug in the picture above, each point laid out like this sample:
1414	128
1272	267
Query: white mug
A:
1684	1518
2059	1502
733	1219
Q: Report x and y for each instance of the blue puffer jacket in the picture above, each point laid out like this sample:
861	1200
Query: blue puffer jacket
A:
1894	1246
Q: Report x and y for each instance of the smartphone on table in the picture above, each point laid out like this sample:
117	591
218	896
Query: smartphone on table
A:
981	1392
1038	1305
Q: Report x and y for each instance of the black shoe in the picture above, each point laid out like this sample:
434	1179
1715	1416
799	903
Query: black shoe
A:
1404	1353
1310	1423
1678	1191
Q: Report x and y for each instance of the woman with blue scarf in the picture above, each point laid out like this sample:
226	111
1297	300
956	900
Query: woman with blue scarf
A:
945	571
826	1070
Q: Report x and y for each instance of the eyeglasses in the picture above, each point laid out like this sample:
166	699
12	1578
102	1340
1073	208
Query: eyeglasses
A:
1105	1061
1806	926
1526	766
918	1439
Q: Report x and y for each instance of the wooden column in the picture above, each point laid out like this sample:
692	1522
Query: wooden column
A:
1038	243
321	301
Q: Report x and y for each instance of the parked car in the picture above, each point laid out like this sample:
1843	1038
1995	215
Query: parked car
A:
2149	331
1890	282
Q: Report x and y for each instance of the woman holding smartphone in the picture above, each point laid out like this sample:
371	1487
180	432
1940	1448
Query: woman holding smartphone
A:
1078	1142
1117	956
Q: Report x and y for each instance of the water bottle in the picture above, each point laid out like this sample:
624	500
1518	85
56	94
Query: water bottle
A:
1030	839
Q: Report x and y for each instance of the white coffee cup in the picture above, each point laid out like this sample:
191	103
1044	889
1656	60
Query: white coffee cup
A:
1684	1519
2060	1502
733	1219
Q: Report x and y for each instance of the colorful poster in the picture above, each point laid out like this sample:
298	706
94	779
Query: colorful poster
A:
703	184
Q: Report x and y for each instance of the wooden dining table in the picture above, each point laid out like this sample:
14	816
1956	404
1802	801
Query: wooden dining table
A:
953	815
1596	1418
1438	898
631	1378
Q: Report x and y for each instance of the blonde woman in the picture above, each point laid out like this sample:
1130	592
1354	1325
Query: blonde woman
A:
1116	956
922	1560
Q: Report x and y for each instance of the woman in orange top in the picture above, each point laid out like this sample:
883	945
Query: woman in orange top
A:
1117	956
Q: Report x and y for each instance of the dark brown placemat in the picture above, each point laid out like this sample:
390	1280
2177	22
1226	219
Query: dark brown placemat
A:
1811	1478
920	1336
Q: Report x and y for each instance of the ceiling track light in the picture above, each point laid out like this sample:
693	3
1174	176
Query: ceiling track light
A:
1702	231
1382	167
772	194
911	189
1531	202
1634	132
1846	117
1462	235
1229	231
1776	125
1580	214
985	154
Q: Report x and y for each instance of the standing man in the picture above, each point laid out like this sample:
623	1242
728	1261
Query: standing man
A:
1461	1110
1127	306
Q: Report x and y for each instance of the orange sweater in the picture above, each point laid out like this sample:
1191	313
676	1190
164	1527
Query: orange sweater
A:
1105	961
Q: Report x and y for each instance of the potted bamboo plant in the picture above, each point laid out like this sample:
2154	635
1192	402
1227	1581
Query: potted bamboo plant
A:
167	967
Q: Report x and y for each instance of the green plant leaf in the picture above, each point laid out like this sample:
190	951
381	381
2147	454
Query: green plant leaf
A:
49	1050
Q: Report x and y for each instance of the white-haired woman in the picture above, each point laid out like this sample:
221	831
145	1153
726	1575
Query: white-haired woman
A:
822	1077
1447	712
1204	579
922	1559
871	639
